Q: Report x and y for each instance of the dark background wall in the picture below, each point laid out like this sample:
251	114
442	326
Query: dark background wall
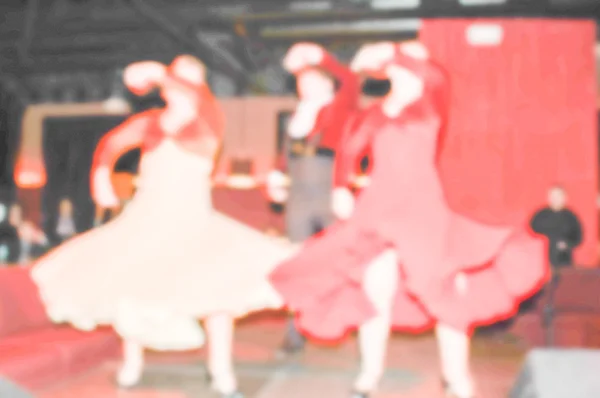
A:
68	148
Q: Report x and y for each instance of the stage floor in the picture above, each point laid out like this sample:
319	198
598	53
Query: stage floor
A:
321	372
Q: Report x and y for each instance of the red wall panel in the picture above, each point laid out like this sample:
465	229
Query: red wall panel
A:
523	117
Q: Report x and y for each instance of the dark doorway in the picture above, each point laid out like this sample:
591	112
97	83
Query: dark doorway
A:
68	147
283	119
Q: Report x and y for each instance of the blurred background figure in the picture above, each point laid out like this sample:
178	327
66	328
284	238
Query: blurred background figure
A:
65	227
15	215
561	226
563	229
9	238
32	240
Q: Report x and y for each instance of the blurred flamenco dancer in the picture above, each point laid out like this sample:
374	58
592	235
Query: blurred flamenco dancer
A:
169	258
403	259
304	176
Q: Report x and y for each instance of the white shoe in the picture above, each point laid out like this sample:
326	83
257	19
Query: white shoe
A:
129	375
365	384
225	386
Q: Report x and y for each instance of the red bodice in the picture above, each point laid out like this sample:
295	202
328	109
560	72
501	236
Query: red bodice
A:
143	130
405	208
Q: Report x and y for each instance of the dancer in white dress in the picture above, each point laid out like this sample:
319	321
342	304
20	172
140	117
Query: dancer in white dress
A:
169	258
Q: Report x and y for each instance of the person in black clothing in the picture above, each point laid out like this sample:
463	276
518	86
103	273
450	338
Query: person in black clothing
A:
563	230
561	226
10	244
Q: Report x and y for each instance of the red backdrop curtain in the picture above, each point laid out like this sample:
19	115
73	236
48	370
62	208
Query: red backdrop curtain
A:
523	117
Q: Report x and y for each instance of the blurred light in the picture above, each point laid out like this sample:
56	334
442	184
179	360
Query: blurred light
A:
485	34
29	173
233	10
368	26
480	2
394	4
310	6
116	105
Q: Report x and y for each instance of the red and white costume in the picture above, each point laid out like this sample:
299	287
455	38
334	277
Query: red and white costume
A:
169	258
404	259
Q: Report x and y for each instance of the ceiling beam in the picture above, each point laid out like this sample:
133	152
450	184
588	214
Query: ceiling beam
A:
334	39
262	10
81	62
88	40
525	11
210	10
222	14
175	26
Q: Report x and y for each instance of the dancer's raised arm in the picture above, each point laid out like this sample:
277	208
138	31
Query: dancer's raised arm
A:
128	135
141	77
347	96
323	110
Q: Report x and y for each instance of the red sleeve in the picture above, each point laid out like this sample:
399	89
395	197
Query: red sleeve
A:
348	92
354	144
128	135
345	103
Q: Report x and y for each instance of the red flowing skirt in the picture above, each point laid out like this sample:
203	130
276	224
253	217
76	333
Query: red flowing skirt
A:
323	283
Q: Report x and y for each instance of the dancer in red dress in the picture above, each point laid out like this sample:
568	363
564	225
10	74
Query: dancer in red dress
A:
404	259
166	261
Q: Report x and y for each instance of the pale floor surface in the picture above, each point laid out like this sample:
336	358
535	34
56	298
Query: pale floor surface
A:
321	372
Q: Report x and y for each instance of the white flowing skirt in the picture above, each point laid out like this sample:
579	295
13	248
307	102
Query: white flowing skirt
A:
166	261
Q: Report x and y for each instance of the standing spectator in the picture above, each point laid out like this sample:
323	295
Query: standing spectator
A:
32	240
15	215
65	227
563	230
9	238
561	226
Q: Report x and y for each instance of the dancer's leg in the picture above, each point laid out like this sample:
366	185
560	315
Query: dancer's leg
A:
454	347
380	285
132	366
294	341
299	224
219	329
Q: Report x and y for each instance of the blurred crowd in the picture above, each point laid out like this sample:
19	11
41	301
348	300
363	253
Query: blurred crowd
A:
20	240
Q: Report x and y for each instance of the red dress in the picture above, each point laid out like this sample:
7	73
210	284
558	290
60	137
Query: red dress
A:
405	208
